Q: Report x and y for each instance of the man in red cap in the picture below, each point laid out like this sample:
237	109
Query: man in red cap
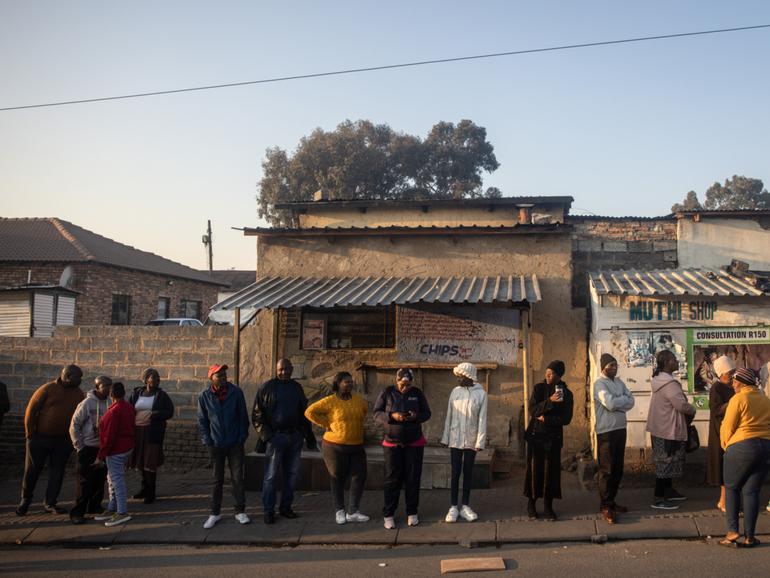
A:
223	422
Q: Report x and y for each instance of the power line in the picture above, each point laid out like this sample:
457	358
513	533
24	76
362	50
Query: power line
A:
389	67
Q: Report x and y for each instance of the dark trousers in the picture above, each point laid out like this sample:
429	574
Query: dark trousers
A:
543	475
90	490
41	449
235	458
746	467
284	450
403	466
610	455
462	462
343	462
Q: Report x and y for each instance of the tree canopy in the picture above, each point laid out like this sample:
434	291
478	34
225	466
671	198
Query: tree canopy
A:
363	160
738	193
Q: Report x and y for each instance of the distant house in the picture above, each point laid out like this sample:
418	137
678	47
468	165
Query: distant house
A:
236	279
34	310
115	284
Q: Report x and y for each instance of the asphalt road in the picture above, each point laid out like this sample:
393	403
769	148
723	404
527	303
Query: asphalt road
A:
634	558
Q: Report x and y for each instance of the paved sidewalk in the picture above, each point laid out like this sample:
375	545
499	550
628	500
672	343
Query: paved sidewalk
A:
178	514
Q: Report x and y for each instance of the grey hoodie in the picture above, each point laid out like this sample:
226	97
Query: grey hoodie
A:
668	407
612	399
85	421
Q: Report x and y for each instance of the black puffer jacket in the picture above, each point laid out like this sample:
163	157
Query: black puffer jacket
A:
165	408
393	401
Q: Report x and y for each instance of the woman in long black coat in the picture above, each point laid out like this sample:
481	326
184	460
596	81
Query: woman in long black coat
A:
549	411
719	396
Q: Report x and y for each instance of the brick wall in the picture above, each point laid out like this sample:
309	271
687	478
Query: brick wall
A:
619	243
97	283
181	355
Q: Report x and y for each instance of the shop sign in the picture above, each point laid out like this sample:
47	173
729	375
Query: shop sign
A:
649	310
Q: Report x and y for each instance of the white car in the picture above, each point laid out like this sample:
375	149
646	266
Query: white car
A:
184	321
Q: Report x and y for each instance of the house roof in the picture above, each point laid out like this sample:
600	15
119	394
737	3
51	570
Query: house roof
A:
52	239
719	214
673	282
284	292
414	203
396	230
236	279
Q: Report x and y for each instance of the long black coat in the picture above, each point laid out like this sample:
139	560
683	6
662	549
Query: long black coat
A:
719	396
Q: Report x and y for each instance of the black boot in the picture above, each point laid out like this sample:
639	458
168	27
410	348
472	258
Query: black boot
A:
149	491
531	509
143	492
548	512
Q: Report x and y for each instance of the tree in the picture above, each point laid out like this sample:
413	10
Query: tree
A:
361	160
738	193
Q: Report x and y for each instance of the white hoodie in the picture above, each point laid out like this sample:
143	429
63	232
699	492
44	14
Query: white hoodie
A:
465	426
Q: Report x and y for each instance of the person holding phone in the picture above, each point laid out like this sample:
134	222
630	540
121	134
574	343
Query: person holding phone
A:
401	409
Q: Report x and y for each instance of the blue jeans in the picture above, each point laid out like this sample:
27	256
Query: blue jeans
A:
116	479
284	450
746	465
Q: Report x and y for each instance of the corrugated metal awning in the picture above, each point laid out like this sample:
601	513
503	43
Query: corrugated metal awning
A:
284	292
672	282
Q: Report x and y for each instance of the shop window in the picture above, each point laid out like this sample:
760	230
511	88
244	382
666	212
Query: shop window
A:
190	309
350	328
164	307
121	310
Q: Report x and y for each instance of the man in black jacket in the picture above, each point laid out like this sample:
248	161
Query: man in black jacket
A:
279	418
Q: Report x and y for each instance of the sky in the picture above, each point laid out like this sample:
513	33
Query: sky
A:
624	129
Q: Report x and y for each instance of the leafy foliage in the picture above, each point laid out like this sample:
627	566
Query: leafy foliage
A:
362	160
738	193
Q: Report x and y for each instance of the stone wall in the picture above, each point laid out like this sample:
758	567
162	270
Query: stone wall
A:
619	243
181	355
97	283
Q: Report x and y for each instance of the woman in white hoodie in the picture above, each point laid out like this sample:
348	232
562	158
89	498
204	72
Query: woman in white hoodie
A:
465	432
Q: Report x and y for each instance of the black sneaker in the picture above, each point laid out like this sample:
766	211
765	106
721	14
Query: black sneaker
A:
269	517
288	513
77	520
550	516
673	496
21	509
54	509
664	505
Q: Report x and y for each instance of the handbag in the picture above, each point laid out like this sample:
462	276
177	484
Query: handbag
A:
693	439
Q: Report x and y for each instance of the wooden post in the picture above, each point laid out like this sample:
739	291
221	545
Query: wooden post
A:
525	316
237	346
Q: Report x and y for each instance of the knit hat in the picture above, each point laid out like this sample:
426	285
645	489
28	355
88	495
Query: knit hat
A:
215	369
746	376
465	370
557	367
405	373
605	360
723	365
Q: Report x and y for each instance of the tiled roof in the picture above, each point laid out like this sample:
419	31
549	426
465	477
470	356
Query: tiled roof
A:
408	230
236	279
52	239
672	282
274	292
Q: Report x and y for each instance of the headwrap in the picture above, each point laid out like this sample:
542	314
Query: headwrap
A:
557	367
148	372
605	360
405	373
746	376
466	370
723	365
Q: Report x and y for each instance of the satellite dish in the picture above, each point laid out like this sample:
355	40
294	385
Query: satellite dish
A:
66	277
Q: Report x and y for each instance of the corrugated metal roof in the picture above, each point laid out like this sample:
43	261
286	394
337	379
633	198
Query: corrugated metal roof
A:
707	282
409	230
274	292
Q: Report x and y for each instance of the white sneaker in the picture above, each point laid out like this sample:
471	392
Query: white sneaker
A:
451	515
357	517
340	517
412	520
104	516
117	520
468	515
242	518
768	507
390	523
211	521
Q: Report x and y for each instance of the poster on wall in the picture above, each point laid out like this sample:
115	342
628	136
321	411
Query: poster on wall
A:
747	346
313	333
453	335
643	346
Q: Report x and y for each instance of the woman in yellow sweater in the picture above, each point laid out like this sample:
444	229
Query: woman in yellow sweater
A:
745	436
342	416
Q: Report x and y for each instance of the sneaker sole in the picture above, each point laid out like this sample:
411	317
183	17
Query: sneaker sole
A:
664	507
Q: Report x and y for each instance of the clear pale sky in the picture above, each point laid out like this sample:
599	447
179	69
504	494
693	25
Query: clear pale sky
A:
626	130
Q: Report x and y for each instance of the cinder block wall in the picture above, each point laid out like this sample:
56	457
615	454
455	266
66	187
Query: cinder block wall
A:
181	355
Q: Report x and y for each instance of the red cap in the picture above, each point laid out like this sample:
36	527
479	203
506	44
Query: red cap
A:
215	369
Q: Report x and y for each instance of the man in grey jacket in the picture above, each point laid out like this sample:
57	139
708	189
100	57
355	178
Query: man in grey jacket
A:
612	399
84	433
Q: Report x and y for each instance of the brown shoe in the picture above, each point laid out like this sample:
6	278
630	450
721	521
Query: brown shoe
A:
608	515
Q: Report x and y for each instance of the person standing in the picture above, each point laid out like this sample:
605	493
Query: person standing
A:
223	422
745	435
465	433
153	408
719	395
5	403
342	416
279	418
84	433
612	399
667	421
550	409
401	409
116	442
46	427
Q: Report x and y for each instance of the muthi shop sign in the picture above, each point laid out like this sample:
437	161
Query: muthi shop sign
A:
456	334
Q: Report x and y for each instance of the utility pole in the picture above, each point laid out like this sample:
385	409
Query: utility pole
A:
207	243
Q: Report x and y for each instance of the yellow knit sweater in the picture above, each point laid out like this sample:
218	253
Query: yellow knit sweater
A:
747	416
342	419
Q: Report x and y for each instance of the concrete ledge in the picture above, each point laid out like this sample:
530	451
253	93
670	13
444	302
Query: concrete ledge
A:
442	533
229	531
162	533
370	532
84	535
515	532
633	527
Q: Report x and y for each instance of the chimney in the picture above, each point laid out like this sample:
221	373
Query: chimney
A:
321	195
